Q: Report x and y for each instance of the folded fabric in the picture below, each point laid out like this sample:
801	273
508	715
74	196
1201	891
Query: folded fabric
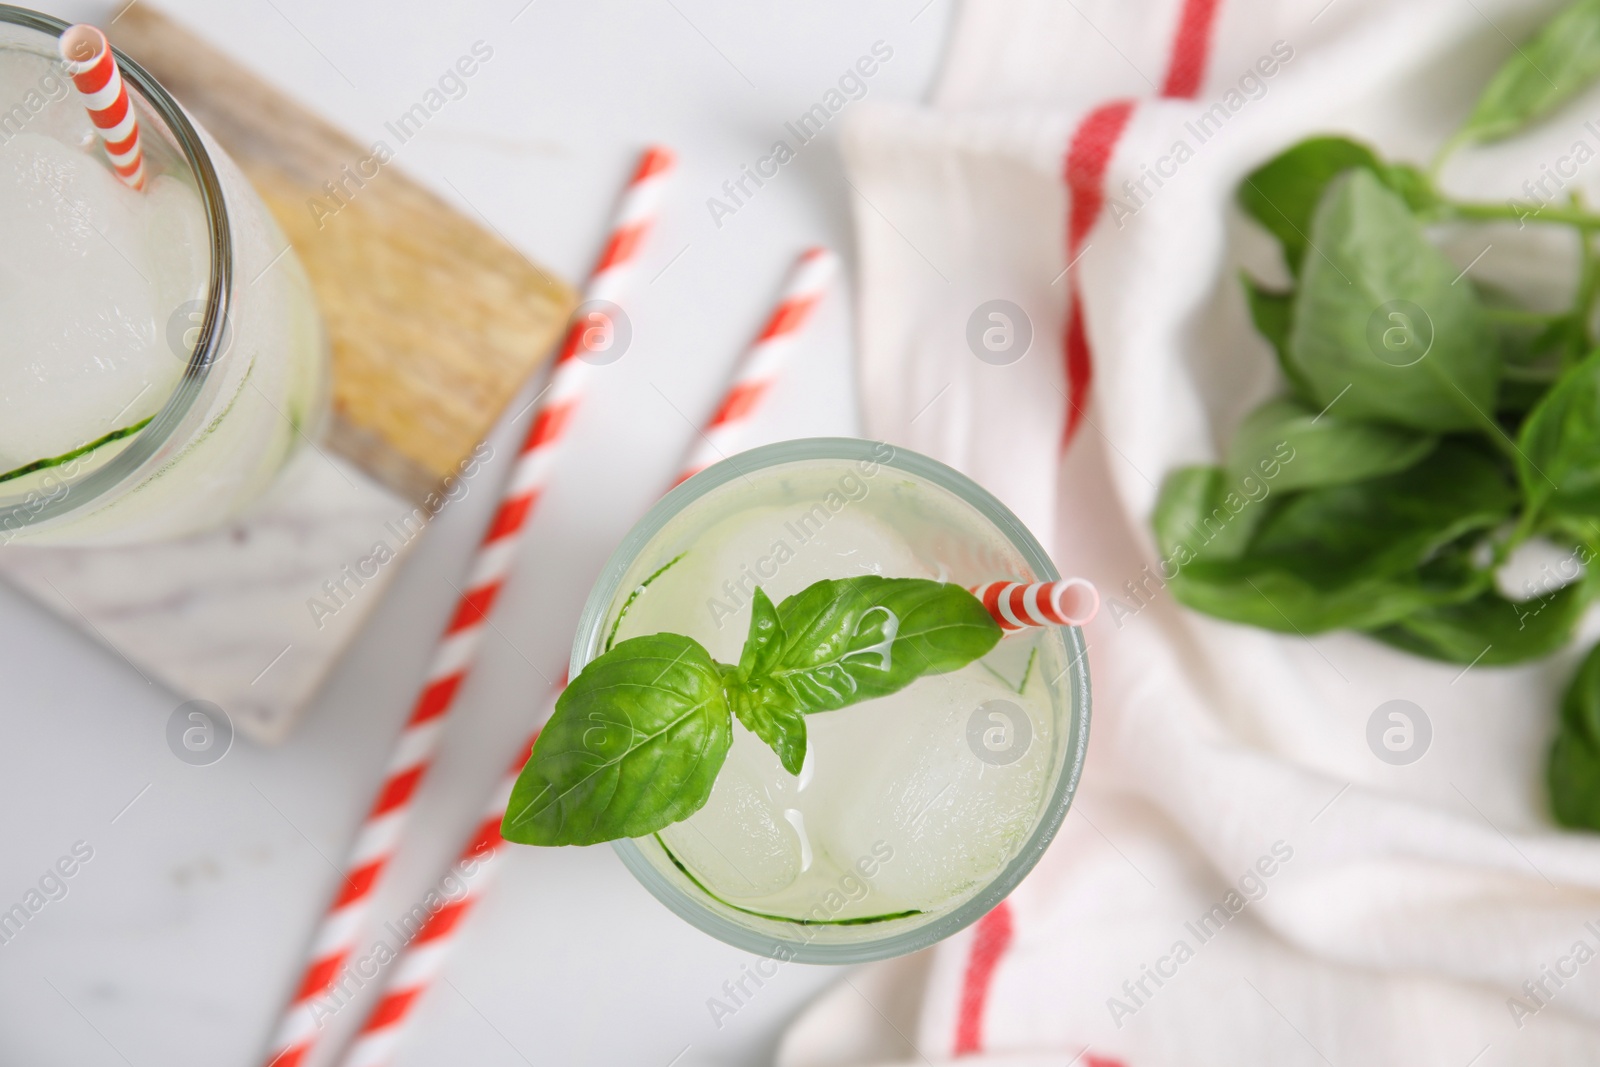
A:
1241	879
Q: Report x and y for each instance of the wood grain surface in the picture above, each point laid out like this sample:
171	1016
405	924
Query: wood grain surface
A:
434	322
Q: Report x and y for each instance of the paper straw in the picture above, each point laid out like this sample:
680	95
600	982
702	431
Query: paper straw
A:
1017	605
381	832
93	69
762	362
382	1033
423	958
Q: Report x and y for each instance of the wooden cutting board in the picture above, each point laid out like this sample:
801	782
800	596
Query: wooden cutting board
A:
434	322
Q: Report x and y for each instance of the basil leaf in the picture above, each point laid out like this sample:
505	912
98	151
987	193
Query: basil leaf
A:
1295	447
1290	596
1573	780
1389	525
769	712
1273	314
1490	630
1282	194
764	644
1200	514
1379	326
1358	556
1413	185
1540	75
1520	394
766	709
635	744
1559	444
1573	773
852	639
1580	705
1531	354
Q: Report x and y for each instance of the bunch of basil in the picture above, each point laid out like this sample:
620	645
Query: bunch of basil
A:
1433	425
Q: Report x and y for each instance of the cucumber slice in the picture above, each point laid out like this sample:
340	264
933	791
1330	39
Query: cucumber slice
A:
864	920
66	457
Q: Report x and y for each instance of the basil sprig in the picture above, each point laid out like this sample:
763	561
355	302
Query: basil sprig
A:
637	739
1429	424
1540	76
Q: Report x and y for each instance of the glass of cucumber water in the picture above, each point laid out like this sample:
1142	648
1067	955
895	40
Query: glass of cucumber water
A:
782	677
162	355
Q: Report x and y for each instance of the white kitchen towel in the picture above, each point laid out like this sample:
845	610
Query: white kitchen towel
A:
1241	880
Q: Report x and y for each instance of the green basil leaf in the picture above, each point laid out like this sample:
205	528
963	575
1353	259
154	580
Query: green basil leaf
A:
1580	705
1573	773
1291	596
852	639
1490	630
1520	394
1389	525
1573	779
1380	328
763	645
1273	314
1295	447
1201	514
770	712
1282	194
635	744
1540	75
1358	556
1559	444
1413	185
1532	354
766	709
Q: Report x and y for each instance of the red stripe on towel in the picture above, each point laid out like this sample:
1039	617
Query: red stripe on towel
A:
991	938
1087	156
1191	48
1084	172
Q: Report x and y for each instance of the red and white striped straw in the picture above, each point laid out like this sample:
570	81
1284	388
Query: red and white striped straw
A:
93	68
807	283
1018	605
423	958
381	1034
380	833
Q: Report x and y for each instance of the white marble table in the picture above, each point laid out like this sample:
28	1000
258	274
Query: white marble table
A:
176	941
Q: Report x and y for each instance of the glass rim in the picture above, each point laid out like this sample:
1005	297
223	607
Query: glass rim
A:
28	510
591	631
